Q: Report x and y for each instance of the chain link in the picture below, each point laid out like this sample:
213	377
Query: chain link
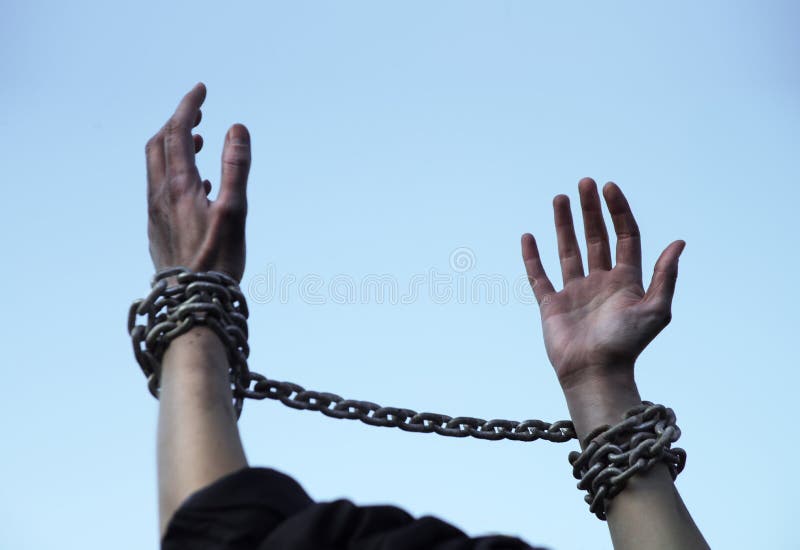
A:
214	299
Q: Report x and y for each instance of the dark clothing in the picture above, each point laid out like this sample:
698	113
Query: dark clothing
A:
262	509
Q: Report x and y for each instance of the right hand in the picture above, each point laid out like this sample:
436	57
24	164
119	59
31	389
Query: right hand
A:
185	228
599	324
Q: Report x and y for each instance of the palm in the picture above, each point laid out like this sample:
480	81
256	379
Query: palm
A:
594	322
605	319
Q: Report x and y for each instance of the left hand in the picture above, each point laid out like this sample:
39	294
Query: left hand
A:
597	325
186	228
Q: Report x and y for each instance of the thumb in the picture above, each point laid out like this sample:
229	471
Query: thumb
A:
665	275
235	169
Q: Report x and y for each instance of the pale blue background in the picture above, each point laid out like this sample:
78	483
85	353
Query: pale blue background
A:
385	136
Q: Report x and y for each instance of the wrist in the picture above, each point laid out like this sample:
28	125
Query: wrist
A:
601	396
198	350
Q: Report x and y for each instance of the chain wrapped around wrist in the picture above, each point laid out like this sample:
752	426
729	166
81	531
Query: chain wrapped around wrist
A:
614	454
212	299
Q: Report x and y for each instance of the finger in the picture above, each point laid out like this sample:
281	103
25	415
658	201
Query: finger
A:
235	169
598	250
540	283
665	274
198	118
629	247
179	144
568	251
154	153
198	143
206	187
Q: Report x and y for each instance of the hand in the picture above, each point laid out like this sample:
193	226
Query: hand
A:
599	324
185	228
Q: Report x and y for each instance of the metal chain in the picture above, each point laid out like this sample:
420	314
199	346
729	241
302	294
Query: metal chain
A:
611	456
330	404
214	299
615	453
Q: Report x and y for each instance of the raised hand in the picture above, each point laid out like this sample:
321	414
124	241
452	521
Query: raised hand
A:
598	324
185	227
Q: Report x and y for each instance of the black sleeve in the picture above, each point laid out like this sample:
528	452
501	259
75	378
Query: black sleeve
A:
262	509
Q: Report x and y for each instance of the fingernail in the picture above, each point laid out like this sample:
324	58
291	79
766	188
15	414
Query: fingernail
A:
236	138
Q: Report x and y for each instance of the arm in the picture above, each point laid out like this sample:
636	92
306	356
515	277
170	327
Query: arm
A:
198	439
594	329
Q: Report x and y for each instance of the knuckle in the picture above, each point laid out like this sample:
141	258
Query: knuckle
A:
232	209
666	272
172	140
174	126
152	144
628	234
596	240
237	155
179	181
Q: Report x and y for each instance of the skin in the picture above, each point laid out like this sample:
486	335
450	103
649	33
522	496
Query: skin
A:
594	328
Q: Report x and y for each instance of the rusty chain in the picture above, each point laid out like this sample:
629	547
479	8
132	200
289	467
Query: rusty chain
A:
611	456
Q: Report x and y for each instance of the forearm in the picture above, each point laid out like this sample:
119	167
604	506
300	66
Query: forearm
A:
198	439
649	513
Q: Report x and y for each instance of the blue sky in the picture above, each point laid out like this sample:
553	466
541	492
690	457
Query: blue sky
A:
387	137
